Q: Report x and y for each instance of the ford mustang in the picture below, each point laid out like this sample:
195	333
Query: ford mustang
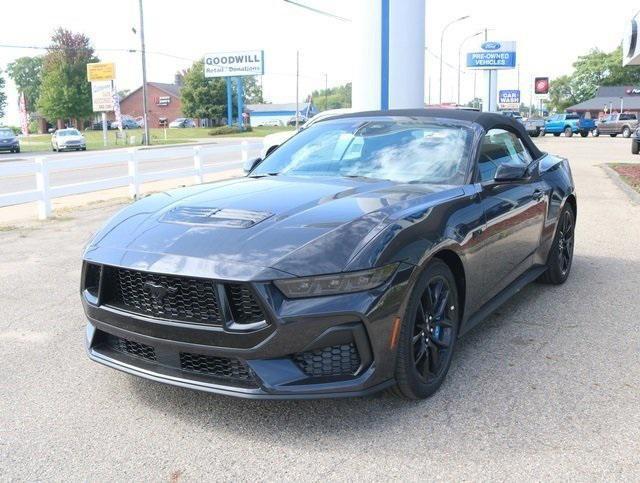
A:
348	261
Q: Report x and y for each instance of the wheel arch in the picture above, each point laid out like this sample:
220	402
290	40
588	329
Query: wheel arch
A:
571	201
453	261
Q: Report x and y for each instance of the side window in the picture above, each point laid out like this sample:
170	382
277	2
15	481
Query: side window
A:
499	147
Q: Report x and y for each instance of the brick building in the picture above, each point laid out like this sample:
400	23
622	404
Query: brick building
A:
163	101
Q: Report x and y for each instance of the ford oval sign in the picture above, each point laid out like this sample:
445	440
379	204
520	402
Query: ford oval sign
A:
490	45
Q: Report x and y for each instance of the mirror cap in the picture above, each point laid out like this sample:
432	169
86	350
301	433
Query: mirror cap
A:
249	164
510	172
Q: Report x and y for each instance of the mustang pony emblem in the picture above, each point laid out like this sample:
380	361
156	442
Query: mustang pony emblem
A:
159	292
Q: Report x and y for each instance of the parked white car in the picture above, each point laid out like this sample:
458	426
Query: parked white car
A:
272	141
68	139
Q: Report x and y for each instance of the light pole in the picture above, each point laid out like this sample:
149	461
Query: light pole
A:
441	46
460	55
144	78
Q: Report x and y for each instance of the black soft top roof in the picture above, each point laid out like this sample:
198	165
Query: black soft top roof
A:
488	120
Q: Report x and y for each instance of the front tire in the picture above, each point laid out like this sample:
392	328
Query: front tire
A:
626	132
635	147
561	255
613	135
428	334
595	133
584	134
556	134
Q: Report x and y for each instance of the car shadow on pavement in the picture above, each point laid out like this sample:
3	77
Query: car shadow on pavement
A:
496	357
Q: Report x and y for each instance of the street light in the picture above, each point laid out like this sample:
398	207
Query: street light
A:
441	45
460	54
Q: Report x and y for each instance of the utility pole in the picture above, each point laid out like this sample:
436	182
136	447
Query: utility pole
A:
144	78
297	84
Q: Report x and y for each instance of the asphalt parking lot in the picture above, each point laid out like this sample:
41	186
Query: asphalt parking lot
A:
548	388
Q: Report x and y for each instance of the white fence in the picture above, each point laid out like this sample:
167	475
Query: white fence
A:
41	167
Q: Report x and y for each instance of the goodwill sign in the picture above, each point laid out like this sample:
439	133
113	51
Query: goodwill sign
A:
231	64
493	55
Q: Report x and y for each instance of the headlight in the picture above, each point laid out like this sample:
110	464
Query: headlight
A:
335	284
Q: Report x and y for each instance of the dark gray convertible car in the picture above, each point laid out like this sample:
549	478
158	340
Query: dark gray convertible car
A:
348	261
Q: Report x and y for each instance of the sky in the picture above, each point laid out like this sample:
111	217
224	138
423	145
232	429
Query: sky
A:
549	35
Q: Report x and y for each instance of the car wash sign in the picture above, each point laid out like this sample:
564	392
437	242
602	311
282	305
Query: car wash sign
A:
493	55
509	99
232	64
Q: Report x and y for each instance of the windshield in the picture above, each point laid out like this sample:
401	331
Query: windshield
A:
68	132
6	133
402	150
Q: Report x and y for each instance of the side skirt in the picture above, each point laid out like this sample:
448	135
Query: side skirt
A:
487	309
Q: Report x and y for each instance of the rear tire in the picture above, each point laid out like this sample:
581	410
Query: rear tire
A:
635	147
561	254
568	132
556	134
595	133
428	334
542	133
584	134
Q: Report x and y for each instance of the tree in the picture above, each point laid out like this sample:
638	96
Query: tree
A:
26	74
65	92
3	96
203	98
562	94
333	97
252	90
591	71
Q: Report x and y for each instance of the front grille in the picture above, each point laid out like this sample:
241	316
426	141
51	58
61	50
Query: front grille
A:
337	360
173	297
244	305
131	348
219	367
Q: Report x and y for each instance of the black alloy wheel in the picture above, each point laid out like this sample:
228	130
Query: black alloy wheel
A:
428	333
561	254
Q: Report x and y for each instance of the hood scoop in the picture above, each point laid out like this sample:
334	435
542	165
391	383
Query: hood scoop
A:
218	217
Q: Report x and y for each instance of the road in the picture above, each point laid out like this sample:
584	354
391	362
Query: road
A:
182	158
547	389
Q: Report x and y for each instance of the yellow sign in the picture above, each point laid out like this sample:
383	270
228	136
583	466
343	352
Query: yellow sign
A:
101	71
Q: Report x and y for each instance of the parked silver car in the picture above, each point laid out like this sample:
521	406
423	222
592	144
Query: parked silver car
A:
68	139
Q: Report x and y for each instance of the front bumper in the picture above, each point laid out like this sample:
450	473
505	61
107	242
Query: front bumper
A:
293	355
9	147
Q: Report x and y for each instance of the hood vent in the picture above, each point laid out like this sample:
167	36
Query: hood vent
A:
225	217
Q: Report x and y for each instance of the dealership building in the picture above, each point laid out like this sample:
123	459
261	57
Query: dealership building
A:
609	99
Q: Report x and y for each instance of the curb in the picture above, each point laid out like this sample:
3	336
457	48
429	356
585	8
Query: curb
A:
618	181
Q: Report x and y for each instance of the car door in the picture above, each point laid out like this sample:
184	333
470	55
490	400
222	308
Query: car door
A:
609	124
514	210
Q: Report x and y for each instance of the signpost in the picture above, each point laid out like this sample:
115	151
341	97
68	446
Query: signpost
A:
491	57
234	65
101	76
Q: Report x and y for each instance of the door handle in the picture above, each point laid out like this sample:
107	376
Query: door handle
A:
538	194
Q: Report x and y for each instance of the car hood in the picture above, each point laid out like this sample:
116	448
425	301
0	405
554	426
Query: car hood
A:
253	228
64	139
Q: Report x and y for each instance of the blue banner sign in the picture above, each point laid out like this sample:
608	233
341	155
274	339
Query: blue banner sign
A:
493	55
510	96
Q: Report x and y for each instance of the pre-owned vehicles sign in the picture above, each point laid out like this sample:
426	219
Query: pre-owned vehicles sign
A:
493	55
231	64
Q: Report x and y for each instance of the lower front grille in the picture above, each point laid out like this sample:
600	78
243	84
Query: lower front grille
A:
337	360
131	348
219	367
224	369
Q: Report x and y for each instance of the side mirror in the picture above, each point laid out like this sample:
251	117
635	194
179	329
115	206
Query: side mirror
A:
249	164
510	172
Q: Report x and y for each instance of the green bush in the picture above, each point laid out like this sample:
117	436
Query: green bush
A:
222	130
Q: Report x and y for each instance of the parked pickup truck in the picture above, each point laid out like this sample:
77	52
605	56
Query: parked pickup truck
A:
534	127
615	124
569	124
